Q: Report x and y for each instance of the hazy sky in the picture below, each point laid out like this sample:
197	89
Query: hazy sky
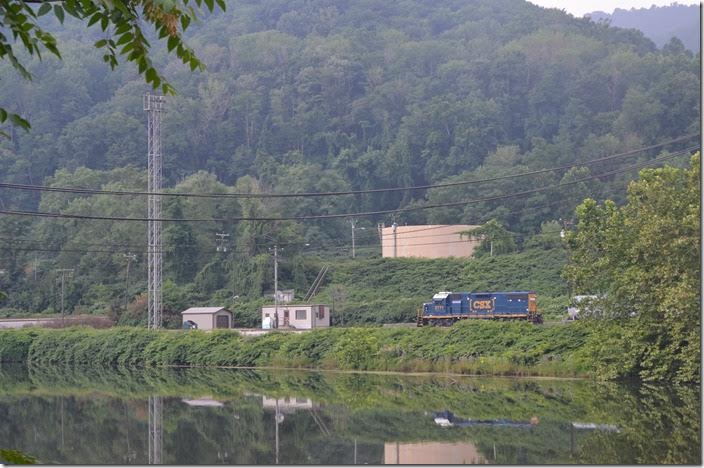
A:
580	7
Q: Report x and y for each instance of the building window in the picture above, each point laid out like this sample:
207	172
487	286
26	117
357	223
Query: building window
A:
321	312
301	315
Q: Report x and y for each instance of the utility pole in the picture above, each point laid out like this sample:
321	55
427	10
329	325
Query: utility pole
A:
222	245
130	258
352	223
276	288
64	272
394	226
278	419
154	106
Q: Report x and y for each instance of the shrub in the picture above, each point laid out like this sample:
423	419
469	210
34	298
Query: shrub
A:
356	349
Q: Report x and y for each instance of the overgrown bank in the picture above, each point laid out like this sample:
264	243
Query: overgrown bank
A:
471	348
387	290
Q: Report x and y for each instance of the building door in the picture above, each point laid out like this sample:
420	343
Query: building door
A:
222	321
285	317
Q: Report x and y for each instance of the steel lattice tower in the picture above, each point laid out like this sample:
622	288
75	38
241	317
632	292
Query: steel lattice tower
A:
154	106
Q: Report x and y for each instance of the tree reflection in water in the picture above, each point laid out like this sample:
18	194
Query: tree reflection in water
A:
198	416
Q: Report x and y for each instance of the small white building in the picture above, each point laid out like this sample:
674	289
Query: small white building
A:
288	404
299	316
207	318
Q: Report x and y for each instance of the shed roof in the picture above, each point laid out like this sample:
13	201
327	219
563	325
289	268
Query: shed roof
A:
202	402
204	310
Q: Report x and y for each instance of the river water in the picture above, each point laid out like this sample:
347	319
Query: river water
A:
211	416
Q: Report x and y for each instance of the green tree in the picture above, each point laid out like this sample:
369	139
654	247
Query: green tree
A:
120	20
644	259
495	238
182	256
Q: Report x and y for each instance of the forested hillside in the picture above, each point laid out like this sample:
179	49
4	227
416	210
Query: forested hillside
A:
316	96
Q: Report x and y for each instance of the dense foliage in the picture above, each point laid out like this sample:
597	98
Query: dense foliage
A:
305	96
643	260
475	347
391	290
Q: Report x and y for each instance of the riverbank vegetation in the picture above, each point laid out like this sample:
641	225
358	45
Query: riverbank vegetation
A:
642	259
485	348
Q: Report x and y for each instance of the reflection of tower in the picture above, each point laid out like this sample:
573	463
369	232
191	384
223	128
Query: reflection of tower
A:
130	455
62	421
156	429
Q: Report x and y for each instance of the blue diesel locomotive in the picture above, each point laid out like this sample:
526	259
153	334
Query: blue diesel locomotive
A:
447	308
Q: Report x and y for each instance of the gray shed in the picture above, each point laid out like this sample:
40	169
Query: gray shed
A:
208	318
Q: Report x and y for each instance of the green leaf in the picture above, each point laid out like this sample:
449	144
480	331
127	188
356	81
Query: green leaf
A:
94	19
151	75
19	122
44	9
101	43
185	21
125	38
59	12
172	42
210	4
127	48
52	48
123	27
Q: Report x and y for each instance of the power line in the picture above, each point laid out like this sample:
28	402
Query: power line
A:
88	191
345	215
340	245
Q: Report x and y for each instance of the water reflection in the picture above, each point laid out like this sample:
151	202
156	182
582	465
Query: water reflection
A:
196	416
156	429
432	453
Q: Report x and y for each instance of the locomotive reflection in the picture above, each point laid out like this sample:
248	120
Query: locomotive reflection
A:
448	419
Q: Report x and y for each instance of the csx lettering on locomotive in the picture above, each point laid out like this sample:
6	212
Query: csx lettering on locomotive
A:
482	305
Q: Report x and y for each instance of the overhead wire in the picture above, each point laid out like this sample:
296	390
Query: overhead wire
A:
342	243
358	214
89	191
